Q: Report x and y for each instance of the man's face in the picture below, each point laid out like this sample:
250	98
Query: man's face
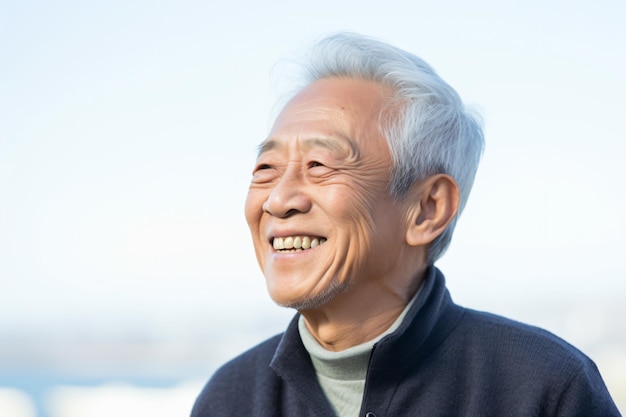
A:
321	218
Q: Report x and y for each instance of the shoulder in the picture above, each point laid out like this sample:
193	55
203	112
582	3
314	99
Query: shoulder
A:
255	359
238	381
534	363
519	343
493	331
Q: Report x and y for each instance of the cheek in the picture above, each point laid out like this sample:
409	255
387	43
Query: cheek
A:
253	208
372	223
356	206
353	210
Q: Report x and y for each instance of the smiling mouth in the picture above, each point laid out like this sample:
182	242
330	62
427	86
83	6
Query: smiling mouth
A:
296	243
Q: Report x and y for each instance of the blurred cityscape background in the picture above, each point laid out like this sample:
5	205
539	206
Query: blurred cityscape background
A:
128	133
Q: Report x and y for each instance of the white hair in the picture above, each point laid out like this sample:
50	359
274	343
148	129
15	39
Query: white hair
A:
432	132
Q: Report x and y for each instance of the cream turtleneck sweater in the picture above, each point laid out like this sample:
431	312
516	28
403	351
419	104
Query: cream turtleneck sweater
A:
342	374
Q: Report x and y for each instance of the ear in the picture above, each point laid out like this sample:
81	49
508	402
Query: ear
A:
435	203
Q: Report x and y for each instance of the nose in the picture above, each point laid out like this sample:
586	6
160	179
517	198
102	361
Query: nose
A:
288	197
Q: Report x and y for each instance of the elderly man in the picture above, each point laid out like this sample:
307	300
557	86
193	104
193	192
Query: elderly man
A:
354	196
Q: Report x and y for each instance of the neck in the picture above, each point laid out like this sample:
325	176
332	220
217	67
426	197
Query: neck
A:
359	315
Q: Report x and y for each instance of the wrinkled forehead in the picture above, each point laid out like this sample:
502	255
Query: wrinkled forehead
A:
337	114
335	144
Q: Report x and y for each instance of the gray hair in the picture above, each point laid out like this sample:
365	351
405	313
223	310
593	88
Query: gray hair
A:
432	133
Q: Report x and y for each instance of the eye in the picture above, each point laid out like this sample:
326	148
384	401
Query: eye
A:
263	173
261	167
314	164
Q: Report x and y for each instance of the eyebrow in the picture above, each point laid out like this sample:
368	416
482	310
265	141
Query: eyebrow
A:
266	146
330	143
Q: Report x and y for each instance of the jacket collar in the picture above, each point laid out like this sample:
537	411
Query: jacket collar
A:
428	322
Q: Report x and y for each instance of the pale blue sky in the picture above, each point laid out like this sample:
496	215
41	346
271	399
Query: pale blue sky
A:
128	132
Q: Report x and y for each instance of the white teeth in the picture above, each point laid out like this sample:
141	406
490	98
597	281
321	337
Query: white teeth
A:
296	243
278	244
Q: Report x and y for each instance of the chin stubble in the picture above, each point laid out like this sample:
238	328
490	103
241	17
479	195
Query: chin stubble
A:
317	301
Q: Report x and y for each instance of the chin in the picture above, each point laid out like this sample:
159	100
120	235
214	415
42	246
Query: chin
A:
315	301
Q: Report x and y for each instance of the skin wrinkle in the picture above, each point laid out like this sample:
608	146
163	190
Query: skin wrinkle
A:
336	143
365	270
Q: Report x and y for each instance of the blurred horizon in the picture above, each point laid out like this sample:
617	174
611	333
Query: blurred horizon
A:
80	369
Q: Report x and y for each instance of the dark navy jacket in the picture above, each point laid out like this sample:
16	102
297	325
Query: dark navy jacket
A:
443	361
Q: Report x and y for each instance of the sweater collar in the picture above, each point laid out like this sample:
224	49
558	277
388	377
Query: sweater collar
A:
351	363
426	324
